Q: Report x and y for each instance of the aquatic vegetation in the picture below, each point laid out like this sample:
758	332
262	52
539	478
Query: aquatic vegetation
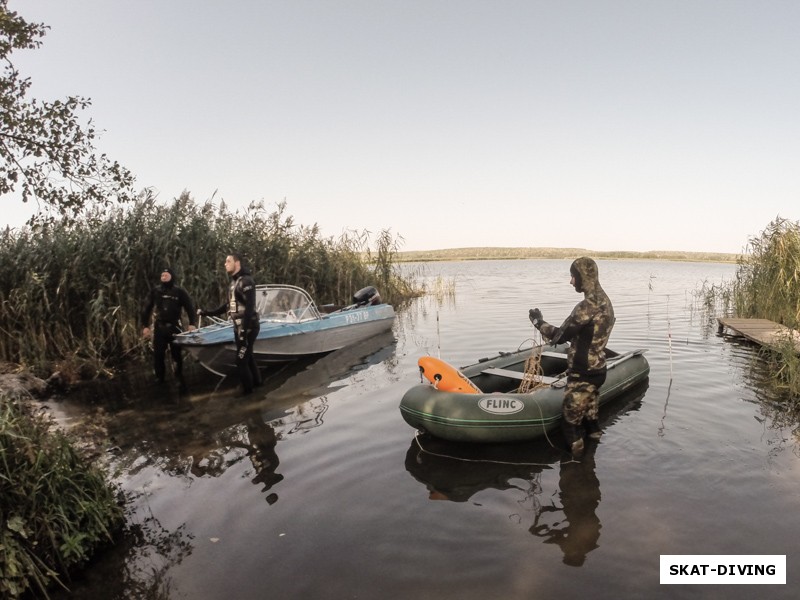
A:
767	286
768	276
441	289
55	509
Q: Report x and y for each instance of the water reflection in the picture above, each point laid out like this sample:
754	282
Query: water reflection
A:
260	446
578	532
456	472
136	566
214	428
757	368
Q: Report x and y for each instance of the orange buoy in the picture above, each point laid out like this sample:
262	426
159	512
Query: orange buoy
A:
446	377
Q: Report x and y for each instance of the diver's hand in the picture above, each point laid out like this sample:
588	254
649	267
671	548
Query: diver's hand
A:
535	315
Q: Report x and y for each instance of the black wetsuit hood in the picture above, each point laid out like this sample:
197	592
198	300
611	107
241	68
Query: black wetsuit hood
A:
173	278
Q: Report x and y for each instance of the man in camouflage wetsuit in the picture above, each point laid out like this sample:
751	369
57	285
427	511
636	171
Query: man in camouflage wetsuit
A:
587	330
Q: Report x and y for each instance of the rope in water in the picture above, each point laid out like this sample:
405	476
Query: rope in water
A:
484	460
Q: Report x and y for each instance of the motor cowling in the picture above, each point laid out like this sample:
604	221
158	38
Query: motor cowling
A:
367	295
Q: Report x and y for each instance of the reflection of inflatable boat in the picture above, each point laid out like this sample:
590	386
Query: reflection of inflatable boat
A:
457	471
498	413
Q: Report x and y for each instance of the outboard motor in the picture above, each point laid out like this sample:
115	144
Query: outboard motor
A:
367	295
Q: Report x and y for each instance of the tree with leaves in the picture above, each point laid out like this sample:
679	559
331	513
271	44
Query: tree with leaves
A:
47	151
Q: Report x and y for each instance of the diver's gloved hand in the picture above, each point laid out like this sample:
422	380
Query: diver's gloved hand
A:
535	315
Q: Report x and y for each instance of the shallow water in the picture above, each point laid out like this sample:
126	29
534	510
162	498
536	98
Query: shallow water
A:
317	488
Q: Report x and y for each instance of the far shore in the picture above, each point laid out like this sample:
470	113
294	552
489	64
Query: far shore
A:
457	254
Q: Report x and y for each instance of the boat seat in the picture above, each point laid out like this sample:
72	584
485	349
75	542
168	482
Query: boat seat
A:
518	375
561	355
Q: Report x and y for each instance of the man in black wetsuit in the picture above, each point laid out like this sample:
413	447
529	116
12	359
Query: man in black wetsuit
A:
168	300
241	308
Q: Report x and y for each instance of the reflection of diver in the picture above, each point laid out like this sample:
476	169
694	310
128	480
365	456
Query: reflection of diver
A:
455	472
261	452
579	492
260	447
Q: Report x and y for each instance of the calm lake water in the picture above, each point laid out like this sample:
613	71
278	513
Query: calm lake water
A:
317	488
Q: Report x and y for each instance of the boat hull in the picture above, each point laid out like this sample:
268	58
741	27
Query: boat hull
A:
499	414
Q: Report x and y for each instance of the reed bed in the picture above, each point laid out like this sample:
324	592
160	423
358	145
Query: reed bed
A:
71	293
767	286
768	277
54	507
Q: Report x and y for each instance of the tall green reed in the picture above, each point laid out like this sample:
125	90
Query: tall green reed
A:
767	286
768	276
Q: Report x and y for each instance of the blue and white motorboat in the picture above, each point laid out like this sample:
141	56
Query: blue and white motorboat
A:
292	327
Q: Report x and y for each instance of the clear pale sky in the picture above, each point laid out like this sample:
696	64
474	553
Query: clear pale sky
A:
607	125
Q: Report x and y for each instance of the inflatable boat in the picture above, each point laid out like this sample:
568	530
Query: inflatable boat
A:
483	402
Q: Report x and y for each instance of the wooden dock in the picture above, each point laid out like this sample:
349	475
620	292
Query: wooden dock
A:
761	331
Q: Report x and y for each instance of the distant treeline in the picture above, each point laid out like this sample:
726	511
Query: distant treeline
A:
75	289
565	253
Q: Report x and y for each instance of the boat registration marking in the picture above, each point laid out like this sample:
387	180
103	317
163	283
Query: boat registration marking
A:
356	317
500	405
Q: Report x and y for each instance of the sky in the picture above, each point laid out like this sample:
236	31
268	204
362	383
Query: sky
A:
601	124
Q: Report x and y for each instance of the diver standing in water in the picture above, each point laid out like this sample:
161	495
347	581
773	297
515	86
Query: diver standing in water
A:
587	329
241	308
168	300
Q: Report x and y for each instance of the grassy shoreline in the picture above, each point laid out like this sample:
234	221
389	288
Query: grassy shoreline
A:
500	253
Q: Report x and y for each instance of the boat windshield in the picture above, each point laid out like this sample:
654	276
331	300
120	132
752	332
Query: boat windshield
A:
285	303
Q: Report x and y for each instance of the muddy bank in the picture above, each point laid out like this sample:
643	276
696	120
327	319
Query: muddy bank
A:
89	431
17	383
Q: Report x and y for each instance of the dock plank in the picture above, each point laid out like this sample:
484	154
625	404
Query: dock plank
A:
761	331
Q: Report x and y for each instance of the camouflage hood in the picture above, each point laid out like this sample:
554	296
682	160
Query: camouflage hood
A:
584	270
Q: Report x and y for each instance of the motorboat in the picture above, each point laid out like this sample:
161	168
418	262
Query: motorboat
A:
291	327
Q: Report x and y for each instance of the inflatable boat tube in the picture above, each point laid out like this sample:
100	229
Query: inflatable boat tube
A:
446	377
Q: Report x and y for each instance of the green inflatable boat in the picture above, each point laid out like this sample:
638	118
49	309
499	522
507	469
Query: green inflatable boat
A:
481	402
